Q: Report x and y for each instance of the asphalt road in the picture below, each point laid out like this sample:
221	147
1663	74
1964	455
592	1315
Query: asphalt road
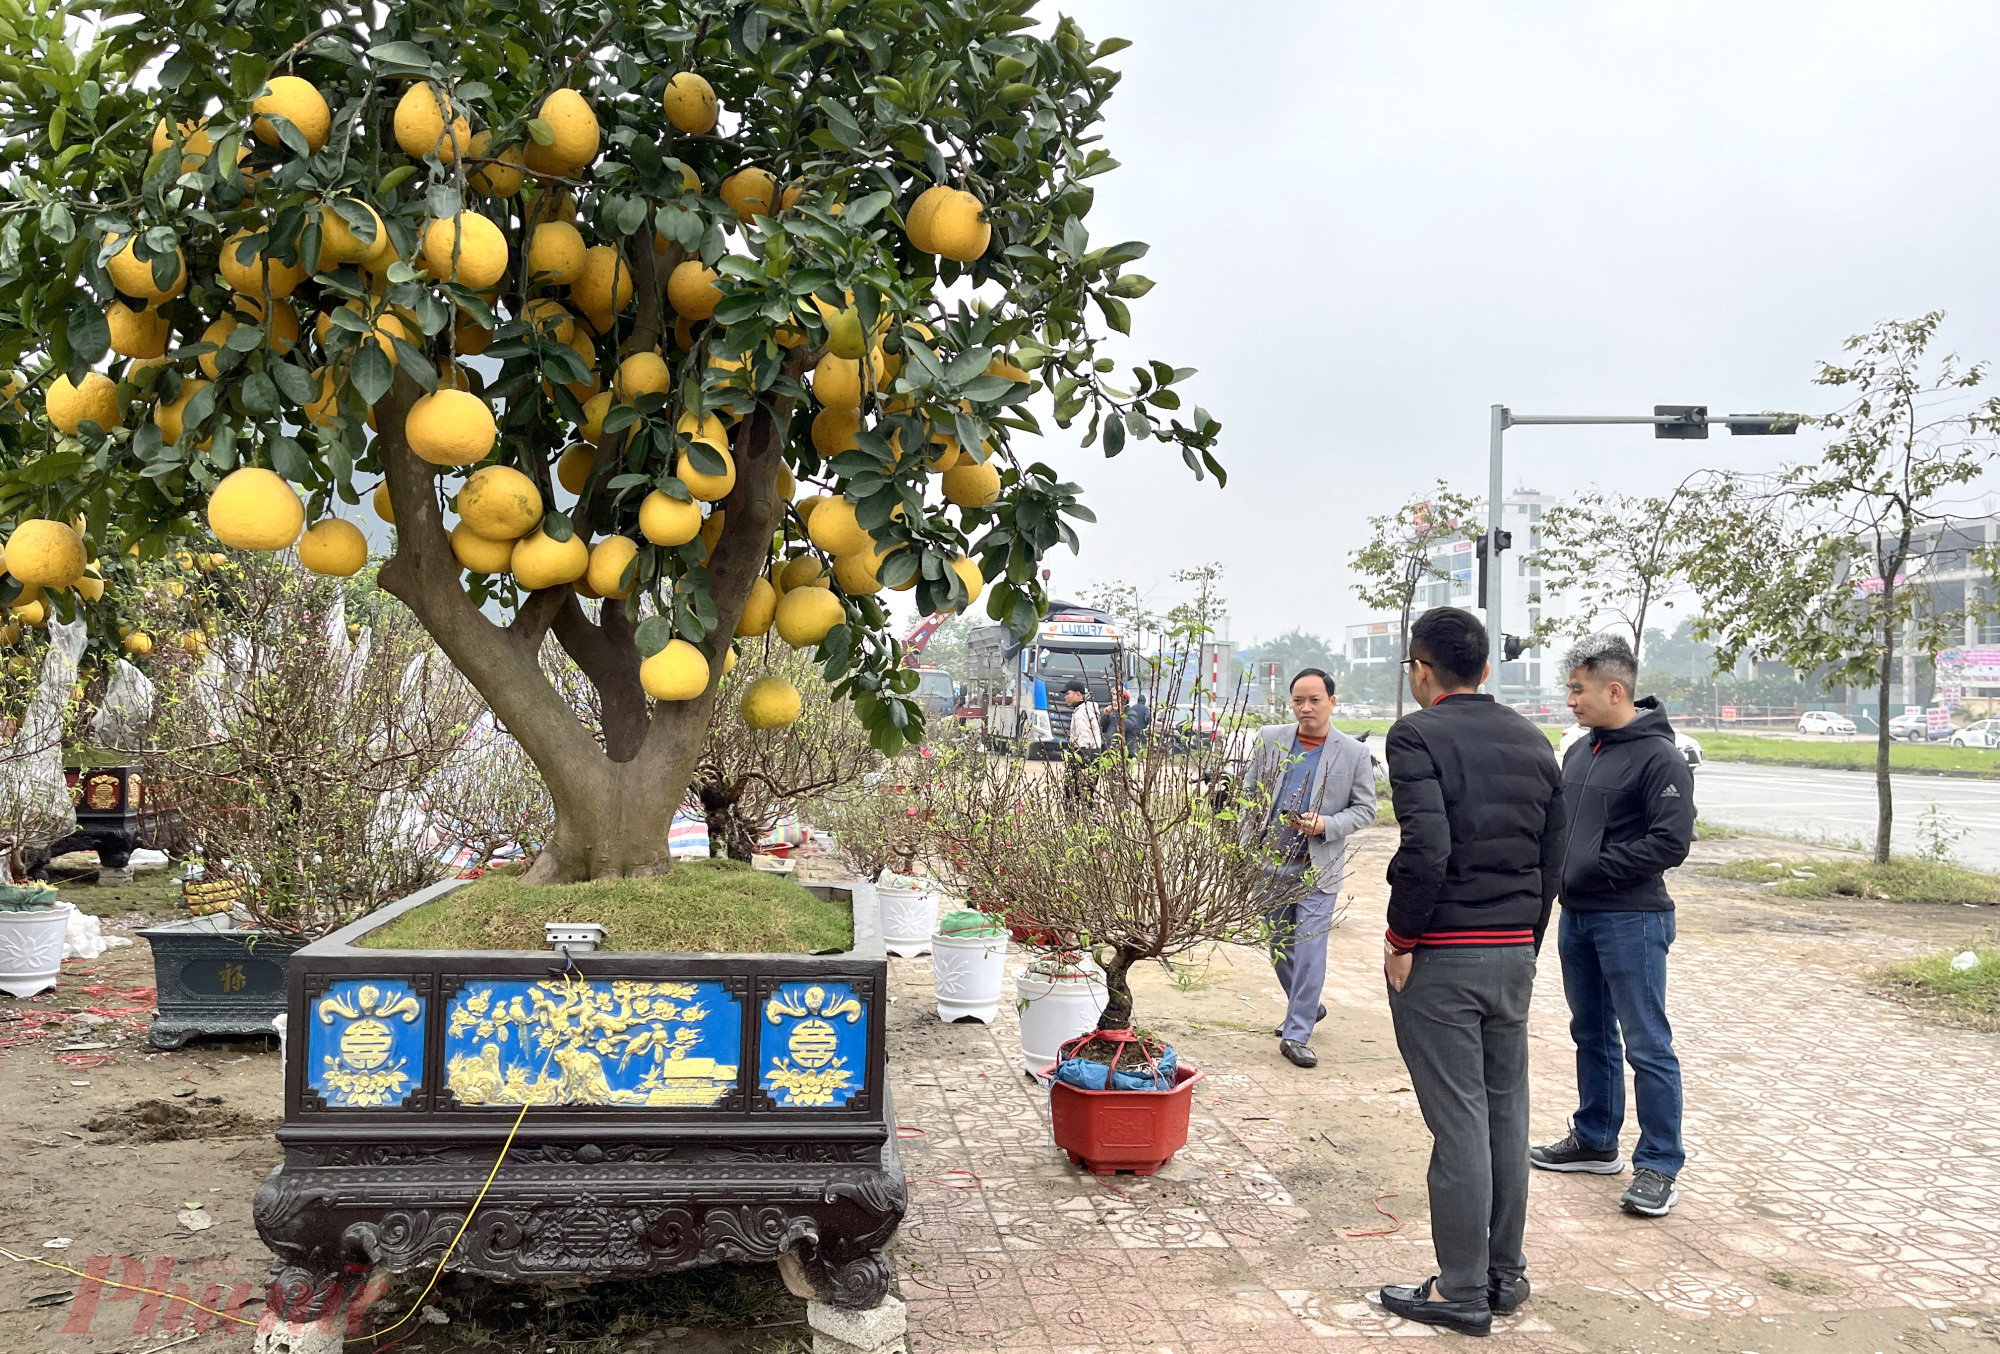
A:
1839	806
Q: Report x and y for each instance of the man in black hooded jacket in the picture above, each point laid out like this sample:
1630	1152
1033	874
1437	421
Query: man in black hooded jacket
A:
1631	818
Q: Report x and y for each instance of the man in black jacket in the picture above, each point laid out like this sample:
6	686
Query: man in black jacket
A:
1480	806
1631	803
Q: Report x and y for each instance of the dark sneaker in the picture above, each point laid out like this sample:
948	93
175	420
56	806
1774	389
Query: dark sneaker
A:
1571	1155
1651	1194
1316	1019
1505	1295
1299	1055
1413	1302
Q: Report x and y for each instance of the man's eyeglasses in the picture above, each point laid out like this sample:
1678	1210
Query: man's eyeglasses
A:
1409	662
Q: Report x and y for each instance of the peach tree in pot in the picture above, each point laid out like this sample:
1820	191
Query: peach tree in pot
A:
1164	857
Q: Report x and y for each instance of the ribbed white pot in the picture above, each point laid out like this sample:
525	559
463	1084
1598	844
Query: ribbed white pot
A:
867	911
968	974
31	946
908	918
1055	1008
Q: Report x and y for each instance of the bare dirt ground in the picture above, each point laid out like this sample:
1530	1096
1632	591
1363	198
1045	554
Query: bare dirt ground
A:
143	1165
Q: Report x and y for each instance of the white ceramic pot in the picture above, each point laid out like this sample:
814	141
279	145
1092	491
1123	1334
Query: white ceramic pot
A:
908	918
31	946
1055	1008
968	973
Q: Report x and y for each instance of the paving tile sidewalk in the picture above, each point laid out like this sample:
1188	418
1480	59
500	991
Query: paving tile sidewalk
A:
1836	1143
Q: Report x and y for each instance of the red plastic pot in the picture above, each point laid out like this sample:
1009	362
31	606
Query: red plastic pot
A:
1106	1132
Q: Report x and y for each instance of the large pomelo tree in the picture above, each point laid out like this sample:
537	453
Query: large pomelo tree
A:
614	283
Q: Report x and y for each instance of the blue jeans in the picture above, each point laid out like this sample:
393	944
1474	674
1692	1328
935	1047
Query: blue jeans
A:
1614	968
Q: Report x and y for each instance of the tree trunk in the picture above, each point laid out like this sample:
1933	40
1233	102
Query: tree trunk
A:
1885	809
1403	650
1118	989
735	834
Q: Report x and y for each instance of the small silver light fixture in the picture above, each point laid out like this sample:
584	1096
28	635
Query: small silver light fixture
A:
579	937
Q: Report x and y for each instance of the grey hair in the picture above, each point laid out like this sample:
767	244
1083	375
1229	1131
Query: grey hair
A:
1605	656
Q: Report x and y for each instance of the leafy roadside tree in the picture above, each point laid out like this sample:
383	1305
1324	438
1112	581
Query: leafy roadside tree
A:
668	257
1823	563
1300	648
1400	556
1616	557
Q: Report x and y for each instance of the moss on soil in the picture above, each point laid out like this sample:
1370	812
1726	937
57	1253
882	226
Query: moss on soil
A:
699	906
154	895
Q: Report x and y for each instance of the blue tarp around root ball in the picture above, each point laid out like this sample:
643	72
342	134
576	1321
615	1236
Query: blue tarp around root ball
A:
1090	1075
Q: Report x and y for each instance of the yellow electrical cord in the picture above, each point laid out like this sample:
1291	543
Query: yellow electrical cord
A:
415	1307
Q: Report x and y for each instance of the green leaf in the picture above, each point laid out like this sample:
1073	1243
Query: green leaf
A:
863	210
1114	436
705	459
260	393
289	459
558	526
1132	286
89	333
539	129
1116	314
371	372
406	54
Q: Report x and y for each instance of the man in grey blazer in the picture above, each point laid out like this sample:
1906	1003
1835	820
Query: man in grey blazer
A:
1312	786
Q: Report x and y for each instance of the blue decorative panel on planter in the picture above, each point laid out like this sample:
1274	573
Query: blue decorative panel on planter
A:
813	1045
571	1041
366	1046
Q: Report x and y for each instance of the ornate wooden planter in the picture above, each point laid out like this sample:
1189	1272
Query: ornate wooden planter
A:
215	979
111	819
685	1109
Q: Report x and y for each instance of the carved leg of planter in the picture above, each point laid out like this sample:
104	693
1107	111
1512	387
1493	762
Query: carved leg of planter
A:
882	1329
114	860
853	1278
309	1312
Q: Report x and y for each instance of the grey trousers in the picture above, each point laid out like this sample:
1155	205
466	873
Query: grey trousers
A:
1462	1028
1298	953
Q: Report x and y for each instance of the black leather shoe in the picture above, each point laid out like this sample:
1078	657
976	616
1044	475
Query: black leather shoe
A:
1506	1295
1414	1304
1300	1055
1280	1030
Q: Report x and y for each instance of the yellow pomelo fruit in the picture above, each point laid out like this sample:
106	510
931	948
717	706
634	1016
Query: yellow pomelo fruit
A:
802	572
500	503
1004	366
34	613
804	507
594	410
691	290
729	660
678	672
139	643
607	565
642	374
599	323
690	104
280	335
541	561
770	703
665	520
583	588
385	328
450	427
576	135
95	401
555	254
918	223
574	466
297	101
133	275
384	508
420	127
834	529
709	429
750	192
967	569
254	509
758	608
376	263
45	554
247	275
196	143
581	391
137	333
604	287
170	415
502	179
553	321
321	412
339	242
476	554
806	614
482	250
707	488
958	227
859	574
836	382
971	484
333	547
942	453
90	587
711	531
469	337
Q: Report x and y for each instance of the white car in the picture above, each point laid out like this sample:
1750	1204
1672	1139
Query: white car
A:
1825	721
1686	746
1984	734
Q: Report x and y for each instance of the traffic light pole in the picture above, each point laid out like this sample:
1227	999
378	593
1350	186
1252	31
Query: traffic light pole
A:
1668	420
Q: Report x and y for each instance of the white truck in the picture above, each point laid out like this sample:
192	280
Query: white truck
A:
1017	685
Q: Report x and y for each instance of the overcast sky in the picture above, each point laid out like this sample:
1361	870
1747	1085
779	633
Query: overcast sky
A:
1372	222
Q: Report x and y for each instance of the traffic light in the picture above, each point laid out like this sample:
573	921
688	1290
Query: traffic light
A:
1512	647
1502	541
1691	421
